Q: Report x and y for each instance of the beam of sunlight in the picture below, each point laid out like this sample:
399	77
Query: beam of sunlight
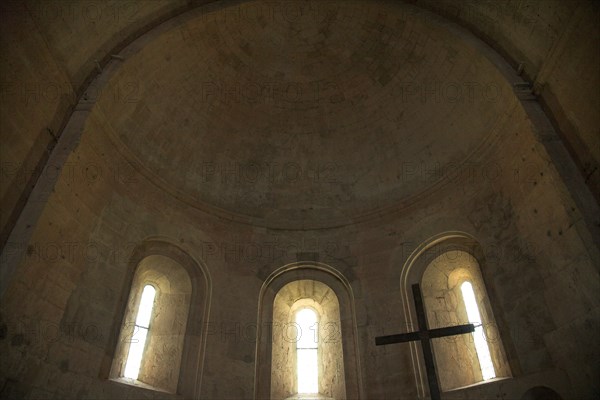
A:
481	346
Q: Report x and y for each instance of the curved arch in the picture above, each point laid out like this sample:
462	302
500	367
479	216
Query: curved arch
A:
541	393
164	246
194	345
413	271
461	240
343	290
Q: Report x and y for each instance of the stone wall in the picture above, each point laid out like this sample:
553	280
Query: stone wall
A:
554	42
52	49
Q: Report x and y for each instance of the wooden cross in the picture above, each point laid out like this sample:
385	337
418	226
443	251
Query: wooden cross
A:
425	335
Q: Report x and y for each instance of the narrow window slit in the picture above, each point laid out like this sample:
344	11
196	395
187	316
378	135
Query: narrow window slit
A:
306	351
140	332
481	346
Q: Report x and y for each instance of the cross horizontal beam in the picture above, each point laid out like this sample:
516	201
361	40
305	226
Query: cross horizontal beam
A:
430	334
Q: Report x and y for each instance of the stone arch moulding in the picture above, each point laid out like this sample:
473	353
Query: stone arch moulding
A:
194	345
341	286
541	393
413	271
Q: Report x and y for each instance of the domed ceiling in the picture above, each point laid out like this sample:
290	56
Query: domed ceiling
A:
303	113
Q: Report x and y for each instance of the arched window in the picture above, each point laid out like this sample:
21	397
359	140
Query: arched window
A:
158	338
454	293
286	293
307	356
151	344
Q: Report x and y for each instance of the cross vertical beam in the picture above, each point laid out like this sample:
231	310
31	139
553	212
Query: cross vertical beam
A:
434	387
424	334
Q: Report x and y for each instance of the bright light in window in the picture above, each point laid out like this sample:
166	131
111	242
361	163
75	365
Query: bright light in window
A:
140	332
481	346
306	345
